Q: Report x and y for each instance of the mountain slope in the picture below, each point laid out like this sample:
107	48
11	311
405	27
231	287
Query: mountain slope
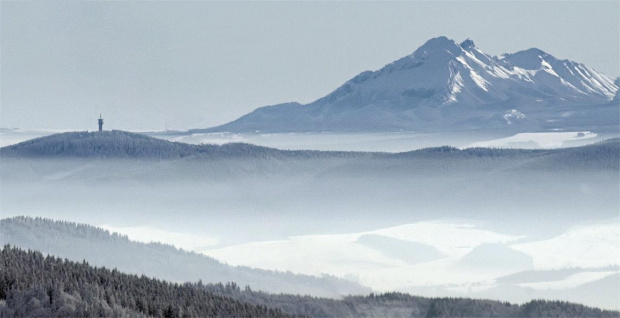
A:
443	86
100	248
32	285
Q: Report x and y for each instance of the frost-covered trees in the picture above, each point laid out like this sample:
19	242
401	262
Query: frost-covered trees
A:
34	285
102	248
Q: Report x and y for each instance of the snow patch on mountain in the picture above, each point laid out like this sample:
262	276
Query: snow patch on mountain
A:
513	114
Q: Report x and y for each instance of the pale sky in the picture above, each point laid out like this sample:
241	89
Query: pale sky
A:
196	64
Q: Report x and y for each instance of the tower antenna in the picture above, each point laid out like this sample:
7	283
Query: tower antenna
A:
100	123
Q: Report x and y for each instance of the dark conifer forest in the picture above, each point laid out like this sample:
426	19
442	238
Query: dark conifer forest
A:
34	285
46	286
102	248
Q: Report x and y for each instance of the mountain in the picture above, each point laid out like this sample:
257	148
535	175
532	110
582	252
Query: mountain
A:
446	86
101	248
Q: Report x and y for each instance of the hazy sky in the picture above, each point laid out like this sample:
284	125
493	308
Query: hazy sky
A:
198	64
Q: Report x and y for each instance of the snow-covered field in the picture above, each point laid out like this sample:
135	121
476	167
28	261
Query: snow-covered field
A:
388	141
539	140
430	258
393	141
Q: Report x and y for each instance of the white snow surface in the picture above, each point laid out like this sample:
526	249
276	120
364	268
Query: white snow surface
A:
595	245
588	246
535	140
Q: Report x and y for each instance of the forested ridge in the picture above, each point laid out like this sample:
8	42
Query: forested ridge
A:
76	242
395	304
122	144
35	285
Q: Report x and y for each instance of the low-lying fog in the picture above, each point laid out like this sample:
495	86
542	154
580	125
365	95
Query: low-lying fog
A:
394	141
502	229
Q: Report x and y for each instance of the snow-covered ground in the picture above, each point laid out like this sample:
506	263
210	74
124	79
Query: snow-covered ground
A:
451	257
394	141
540	140
386	142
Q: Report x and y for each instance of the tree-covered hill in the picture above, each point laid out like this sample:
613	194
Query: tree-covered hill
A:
34	285
123	144
115	144
601	155
127	145
395	304
101	248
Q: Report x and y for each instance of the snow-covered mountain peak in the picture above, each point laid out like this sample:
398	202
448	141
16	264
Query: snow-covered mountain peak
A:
439	47
468	44
531	59
443	72
562	77
444	79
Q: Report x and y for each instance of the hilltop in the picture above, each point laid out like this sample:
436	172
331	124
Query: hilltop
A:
121	144
128	145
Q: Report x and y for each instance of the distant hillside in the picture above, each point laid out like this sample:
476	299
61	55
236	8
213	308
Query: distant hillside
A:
601	155
127	145
34	285
119	144
123	144
99	247
395	304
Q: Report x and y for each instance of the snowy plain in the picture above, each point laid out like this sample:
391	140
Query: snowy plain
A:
458	269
